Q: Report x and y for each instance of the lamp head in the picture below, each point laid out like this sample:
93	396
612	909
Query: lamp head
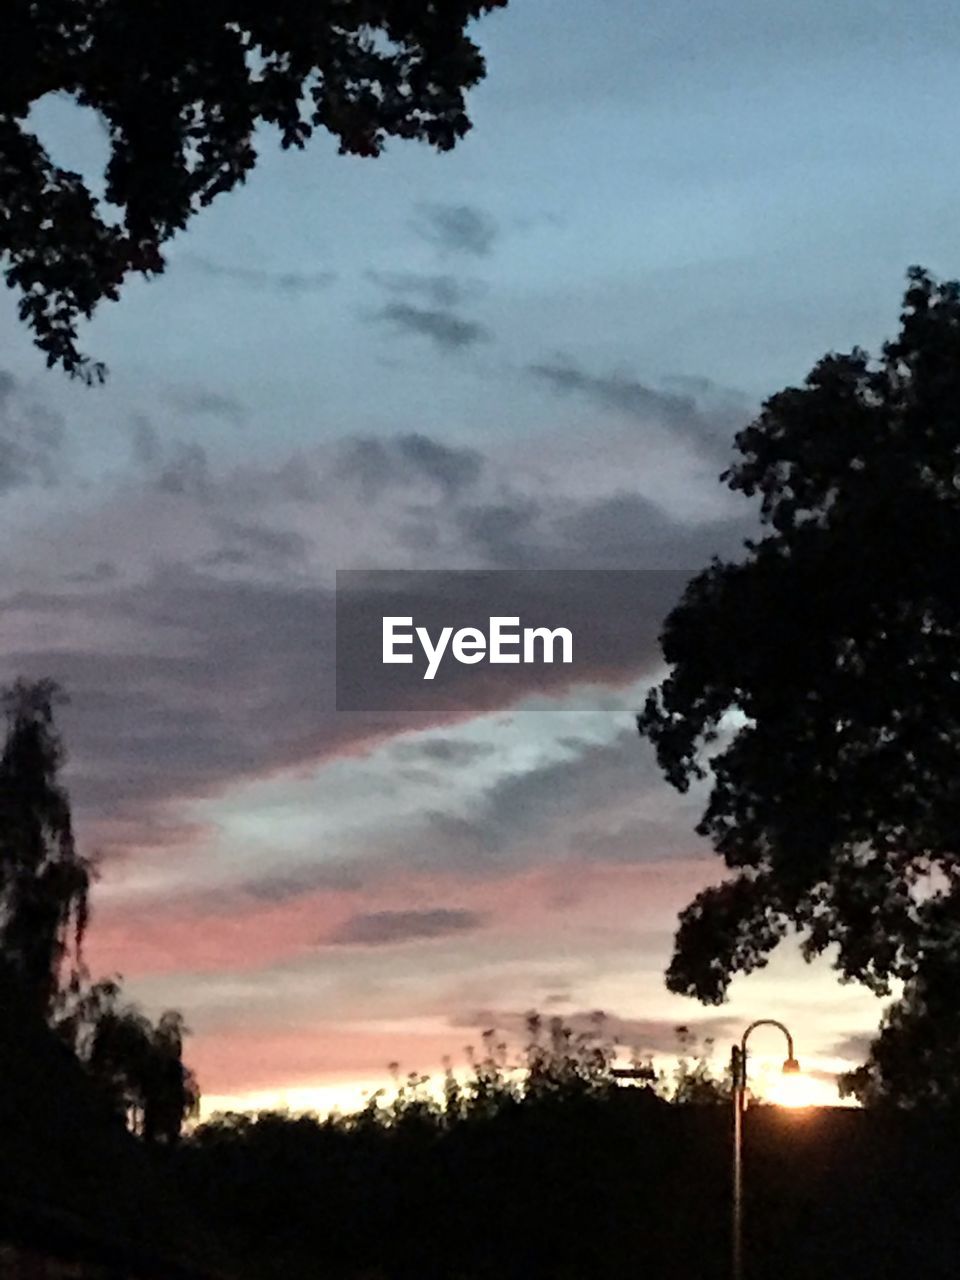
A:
791	1067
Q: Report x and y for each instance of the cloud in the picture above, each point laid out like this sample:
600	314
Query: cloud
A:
144	441
389	928
200	402
377	464
31	439
853	1047
630	531
185	472
213	929
180	684
505	531
184	684
446	751
707	416
102	571
177	467
457	228
202	655
439	290
595	791
248	543
446	330
288	282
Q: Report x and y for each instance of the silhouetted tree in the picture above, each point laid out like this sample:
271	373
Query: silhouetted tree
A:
44	911
181	95
915	1060
138	1064
821	675
44	881
693	1081
525	1164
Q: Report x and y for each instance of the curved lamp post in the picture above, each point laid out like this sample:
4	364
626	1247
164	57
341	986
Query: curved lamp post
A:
738	1071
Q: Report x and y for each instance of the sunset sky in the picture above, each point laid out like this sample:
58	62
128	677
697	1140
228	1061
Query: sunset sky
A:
533	352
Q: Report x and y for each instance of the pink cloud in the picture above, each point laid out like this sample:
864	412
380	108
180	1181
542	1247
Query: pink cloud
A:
241	933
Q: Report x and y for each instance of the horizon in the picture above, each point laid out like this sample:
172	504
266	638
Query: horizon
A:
531	353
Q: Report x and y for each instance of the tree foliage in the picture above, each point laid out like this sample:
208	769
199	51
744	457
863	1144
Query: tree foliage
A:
138	1064
815	685
44	912
914	1062
181	94
44	881
559	1066
694	1082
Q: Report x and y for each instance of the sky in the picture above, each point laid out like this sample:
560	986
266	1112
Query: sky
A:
533	352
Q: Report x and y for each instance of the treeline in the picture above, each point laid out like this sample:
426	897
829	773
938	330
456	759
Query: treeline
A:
515	1169
559	1171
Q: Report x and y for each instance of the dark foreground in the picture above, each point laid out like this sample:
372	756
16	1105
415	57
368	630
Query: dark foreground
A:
583	1189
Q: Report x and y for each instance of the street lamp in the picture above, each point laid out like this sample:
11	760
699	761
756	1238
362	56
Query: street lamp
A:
738	1072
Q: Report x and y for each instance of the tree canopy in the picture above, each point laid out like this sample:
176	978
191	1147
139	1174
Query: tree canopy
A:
814	686
181	94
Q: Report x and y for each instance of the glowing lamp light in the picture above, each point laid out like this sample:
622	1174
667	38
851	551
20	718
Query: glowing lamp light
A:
794	1090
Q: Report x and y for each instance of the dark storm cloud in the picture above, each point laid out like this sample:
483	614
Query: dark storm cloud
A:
445	328
458	228
31	438
289	282
707	416
388	928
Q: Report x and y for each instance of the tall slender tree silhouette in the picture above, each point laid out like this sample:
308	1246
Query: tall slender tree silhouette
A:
44	881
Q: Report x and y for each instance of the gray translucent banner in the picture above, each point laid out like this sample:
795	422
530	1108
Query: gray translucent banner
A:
452	640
